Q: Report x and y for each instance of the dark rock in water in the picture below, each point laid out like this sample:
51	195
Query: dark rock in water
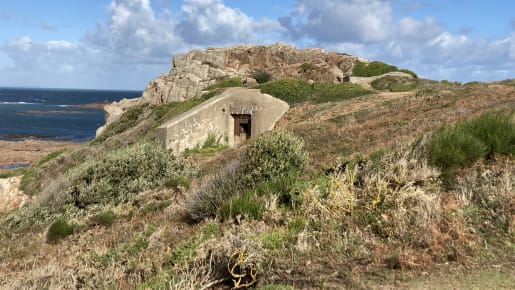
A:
14	165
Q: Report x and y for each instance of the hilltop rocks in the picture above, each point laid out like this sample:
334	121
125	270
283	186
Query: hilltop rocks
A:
194	71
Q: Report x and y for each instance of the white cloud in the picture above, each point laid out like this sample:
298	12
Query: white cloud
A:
135	43
333	21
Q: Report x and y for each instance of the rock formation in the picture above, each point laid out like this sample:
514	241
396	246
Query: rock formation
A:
194	71
10	197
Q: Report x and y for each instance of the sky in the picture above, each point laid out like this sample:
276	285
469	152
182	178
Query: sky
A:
123	44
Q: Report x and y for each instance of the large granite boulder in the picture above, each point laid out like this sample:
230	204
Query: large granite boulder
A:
194	71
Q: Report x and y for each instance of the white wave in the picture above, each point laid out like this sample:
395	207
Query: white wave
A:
16	103
63	106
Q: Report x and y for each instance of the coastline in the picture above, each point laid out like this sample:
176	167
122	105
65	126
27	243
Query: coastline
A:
27	151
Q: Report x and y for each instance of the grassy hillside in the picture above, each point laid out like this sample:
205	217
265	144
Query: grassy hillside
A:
354	189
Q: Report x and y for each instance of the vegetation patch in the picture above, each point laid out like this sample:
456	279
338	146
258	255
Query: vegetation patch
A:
128	120
295	91
376	68
225	83
115	176
371	69
14	172
214	143
269	157
58	230
395	83
463	143
261	76
104	218
246	204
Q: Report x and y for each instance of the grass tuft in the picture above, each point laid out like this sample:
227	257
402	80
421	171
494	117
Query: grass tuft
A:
58	230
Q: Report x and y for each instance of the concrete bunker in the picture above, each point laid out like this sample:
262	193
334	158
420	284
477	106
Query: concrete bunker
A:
234	116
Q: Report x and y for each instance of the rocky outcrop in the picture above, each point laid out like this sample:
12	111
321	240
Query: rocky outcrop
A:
11	197
194	71
114	111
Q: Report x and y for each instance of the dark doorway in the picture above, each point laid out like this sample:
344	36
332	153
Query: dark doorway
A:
242	127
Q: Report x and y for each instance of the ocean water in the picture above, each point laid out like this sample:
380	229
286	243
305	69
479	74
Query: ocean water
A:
50	114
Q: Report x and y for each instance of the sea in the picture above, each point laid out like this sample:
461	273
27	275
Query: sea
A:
54	114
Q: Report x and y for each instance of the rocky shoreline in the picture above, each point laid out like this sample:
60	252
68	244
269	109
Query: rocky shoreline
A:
13	153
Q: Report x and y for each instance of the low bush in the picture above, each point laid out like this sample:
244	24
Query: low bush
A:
466	142
58	230
329	92
291	91
295	91
261	76
266	159
273	155
374	68
115	176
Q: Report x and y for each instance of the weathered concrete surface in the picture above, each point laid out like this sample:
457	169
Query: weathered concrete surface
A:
215	116
11	197
194	71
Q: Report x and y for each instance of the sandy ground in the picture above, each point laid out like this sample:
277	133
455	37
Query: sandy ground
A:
28	151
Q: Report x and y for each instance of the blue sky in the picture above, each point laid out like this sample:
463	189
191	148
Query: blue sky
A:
123	44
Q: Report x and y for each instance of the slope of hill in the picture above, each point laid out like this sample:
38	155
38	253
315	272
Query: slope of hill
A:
349	192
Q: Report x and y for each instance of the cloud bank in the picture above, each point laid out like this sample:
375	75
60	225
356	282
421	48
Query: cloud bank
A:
135	43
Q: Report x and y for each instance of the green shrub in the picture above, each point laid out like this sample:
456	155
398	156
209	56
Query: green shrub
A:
328	92
289	90
496	131
269	157
273	155
58	230
465	142
261	76
225	83
105	218
115	176
453	146
295	91
244	204
374	68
